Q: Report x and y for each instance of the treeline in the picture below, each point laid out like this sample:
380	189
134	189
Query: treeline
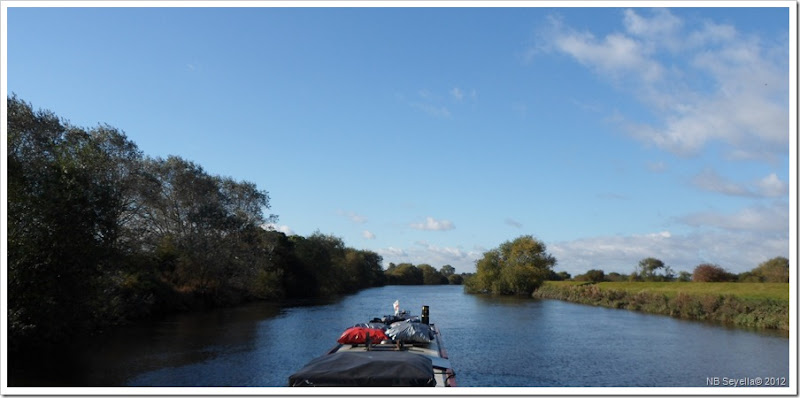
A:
520	266
100	234
775	270
423	274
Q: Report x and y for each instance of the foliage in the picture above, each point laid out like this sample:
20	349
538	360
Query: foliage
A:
775	270
733	303
516	267
648	270
404	274
711	273
99	234
593	275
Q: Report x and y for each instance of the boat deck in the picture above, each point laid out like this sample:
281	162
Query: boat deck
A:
442	370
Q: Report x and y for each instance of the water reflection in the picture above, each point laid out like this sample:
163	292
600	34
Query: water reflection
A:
507	341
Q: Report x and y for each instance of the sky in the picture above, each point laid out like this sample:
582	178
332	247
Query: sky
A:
432	135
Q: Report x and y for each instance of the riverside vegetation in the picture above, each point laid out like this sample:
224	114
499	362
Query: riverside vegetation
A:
757	299
752	305
101	235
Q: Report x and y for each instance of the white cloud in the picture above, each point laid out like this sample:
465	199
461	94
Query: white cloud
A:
280	228
774	218
737	251
663	26
432	224
737	94
768	187
354	217
772	186
368	235
457	93
390	253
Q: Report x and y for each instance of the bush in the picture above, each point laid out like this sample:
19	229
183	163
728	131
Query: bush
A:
711	273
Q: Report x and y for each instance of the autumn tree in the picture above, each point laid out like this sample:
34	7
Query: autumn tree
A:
711	273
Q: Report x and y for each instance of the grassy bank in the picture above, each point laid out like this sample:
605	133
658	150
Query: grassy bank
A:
754	305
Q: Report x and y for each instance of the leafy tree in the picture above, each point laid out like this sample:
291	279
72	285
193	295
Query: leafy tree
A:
593	275
447	270
430	276
616	277
775	270
405	274
684	276
516	267
455	279
64	206
647	270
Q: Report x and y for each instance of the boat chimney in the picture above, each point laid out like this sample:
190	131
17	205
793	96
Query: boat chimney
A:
425	315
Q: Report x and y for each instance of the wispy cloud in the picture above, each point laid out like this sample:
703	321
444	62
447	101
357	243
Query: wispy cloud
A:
431	224
745	103
772	218
457	93
368	235
768	187
512	222
352	216
734	250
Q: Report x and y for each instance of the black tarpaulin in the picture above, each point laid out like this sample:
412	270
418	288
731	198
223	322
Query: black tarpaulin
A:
366	369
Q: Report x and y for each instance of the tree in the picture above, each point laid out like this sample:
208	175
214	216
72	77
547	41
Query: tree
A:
647	269
455	279
593	275
405	274
65	198
711	273
516	267
684	276
430	276
775	270
447	270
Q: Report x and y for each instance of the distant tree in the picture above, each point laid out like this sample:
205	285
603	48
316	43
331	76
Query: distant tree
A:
430	276
684	276
775	270
516	267
558	276
455	279
647	269
405	274
593	275
447	270
711	273
616	277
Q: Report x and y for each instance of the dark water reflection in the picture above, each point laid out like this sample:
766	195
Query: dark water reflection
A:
491	341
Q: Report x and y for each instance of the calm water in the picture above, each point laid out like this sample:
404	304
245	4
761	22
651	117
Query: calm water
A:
491	342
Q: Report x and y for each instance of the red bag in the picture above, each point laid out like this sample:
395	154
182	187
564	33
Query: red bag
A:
358	335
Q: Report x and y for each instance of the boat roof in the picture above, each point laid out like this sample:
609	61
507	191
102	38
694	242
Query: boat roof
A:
366	369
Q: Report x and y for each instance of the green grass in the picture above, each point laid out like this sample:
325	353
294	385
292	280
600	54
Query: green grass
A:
745	291
751	305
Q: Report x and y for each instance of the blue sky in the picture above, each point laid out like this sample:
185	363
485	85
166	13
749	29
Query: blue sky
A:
431	135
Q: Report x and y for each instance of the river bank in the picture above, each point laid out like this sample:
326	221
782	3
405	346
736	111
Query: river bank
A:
756	305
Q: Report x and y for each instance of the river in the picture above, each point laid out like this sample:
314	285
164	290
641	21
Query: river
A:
492	342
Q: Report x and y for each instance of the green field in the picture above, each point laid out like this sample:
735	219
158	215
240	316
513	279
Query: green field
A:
746	291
